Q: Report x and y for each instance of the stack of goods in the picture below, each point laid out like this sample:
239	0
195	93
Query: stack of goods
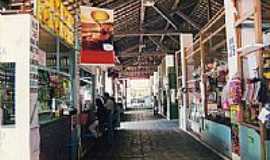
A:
215	86
251	105
52	86
235	97
55	15
266	64
44	91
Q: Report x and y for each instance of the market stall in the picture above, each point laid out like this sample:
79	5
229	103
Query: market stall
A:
251	43
204	77
38	74
193	92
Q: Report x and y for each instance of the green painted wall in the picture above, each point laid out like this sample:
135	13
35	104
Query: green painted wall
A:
172	85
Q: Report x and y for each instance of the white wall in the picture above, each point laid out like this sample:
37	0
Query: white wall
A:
108	84
15	39
231	38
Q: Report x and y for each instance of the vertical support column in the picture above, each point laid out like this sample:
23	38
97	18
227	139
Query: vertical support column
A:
170	87
57	54
258	30
76	83
203	80
233	58
186	41
259	39
125	88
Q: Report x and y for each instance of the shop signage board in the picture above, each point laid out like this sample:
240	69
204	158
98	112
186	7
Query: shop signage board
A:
96	36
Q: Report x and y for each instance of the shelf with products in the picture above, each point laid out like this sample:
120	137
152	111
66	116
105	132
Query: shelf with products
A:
7	93
194	96
252	45
55	72
216	80
64	63
53	87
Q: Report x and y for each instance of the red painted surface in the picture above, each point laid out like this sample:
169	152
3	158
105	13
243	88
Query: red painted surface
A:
97	57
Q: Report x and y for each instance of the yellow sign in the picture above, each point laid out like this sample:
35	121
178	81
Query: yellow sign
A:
55	15
235	113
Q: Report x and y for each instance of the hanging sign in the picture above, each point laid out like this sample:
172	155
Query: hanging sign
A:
96	36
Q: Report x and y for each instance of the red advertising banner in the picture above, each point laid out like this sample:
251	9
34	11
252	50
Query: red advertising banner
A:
96	36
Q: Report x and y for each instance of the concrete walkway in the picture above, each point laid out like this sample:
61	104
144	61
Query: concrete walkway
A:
144	137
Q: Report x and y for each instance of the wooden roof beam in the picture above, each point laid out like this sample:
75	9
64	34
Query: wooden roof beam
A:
188	19
171	13
127	10
124	15
176	2
148	33
143	54
159	45
122	7
166	16
105	3
133	18
129	49
142	16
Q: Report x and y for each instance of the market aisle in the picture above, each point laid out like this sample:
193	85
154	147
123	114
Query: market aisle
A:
144	137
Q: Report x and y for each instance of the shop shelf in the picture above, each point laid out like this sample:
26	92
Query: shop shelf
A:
53	71
45	28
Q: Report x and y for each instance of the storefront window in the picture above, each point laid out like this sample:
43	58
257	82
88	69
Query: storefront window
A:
7	93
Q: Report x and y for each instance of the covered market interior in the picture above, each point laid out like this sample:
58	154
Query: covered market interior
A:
189	79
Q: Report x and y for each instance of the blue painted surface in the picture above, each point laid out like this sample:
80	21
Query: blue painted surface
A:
218	136
250	148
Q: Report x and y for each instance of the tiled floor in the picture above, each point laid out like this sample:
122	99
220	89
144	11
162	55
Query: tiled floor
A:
144	137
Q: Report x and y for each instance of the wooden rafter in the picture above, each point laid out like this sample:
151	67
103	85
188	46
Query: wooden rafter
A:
176	2
167	17
188	19
142	16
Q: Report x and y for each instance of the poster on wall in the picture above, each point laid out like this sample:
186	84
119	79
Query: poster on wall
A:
96	36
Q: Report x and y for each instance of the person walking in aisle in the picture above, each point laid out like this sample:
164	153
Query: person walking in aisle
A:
109	105
101	115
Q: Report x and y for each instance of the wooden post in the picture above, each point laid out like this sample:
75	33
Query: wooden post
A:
259	39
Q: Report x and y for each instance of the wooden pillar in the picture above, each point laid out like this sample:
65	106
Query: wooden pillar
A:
259	39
